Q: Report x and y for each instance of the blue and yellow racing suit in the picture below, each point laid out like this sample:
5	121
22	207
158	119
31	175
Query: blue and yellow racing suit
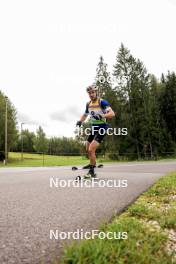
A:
98	125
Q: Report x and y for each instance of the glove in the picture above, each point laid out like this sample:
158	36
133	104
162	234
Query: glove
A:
78	123
98	117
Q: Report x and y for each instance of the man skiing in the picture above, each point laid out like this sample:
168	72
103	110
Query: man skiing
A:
98	110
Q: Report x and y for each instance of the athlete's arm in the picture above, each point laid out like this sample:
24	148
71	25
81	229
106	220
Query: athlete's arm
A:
110	113
83	118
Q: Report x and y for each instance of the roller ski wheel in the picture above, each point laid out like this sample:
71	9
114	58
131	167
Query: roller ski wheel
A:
74	168
78	178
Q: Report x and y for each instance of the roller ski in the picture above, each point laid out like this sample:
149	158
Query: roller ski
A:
87	167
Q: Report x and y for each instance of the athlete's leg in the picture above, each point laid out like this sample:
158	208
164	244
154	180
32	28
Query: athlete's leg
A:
93	146
87	147
88	142
92	150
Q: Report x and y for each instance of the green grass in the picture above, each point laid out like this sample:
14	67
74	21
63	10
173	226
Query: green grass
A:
30	160
147	223
42	160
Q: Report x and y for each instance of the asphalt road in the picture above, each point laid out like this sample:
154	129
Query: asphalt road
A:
30	207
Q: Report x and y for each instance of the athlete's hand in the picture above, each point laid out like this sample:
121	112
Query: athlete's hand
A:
78	123
98	117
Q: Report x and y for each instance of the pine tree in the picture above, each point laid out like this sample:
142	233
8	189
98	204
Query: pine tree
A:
104	83
168	103
132	86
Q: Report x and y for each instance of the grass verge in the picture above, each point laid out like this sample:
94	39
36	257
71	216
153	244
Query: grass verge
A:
151	226
37	160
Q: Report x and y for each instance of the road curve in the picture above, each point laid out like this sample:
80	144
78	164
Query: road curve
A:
30	207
